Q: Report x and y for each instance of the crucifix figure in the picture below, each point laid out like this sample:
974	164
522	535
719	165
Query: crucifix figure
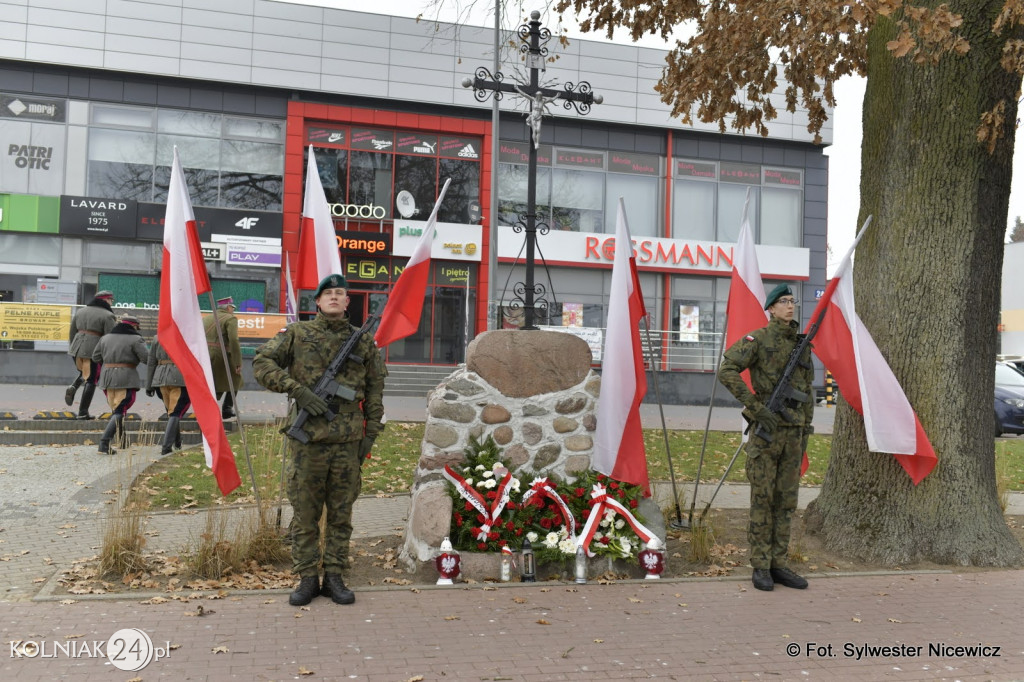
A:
579	96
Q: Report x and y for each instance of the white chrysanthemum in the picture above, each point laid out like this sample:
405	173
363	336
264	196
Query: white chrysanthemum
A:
479	467
488	474
551	540
469	481
609	515
605	522
490	483
531	536
619	524
497	465
514	484
465	470
626	547
567	546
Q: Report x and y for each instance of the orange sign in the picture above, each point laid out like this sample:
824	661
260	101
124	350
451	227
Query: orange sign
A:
260	326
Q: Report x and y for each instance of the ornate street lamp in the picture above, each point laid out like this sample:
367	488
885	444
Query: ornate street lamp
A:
579	96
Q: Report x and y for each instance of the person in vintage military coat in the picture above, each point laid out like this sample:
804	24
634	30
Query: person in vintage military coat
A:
229	330
773	468
164	377
88	325
120	353
325	472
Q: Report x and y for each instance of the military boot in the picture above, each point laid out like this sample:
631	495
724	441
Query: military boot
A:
177	435
83	407
108	435
308	588
170	434
122	433
227	412
786	577
762	579
69	393
334	587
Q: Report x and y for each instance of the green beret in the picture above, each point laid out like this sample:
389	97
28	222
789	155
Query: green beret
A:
331	282
776	293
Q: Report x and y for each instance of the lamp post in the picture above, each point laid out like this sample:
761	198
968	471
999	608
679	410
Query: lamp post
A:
579	96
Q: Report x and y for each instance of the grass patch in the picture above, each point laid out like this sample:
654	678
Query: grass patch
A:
182	480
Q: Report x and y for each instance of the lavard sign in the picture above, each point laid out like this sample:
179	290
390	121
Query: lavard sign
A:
656	253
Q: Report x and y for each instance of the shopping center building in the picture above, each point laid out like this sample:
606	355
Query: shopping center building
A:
95	94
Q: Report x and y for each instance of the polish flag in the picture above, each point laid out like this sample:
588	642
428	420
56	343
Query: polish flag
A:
619	441
318	242
401	316
865	379
180	325
291	309
744	310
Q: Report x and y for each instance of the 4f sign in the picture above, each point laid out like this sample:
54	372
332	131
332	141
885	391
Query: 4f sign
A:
247	223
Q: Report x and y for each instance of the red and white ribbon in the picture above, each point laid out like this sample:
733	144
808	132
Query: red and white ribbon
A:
543	488
600	505
470	494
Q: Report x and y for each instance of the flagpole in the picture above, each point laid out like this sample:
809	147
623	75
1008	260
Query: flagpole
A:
234	400
678	523
707	428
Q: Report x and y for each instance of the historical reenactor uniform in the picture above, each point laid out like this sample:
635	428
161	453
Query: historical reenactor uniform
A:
88	325
119	352
773	468
229	330
164	377
325	472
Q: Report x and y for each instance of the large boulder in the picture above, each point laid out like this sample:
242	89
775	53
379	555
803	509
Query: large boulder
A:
520	364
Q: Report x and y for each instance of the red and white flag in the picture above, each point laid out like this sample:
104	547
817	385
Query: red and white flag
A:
291	309
745	308
180	325
318	242
401	317
865	379
619	442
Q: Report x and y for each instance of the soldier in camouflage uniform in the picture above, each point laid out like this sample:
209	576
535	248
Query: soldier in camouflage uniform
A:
773	468
229	331
87	327
325	472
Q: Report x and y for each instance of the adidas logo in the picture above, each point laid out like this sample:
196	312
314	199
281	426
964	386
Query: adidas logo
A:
468	152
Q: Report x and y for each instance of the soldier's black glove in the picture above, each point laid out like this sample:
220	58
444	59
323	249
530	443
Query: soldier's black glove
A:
151	392
766	418
808	430
365	445
309	401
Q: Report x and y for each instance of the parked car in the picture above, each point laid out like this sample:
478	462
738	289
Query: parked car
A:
1009	400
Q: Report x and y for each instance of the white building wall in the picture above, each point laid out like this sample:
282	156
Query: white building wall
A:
284	45
1011	340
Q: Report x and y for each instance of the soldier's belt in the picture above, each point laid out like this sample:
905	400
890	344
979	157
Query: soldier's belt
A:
89	331
342	407
165	362
119	364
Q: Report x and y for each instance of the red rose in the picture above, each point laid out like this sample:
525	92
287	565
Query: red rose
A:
605	540
458	520
481	546
511	505
632	504
580	492
510	525
519	531
480	518
586	513
613	485
601	477
491	494
622	494
545	524
468	506
492	535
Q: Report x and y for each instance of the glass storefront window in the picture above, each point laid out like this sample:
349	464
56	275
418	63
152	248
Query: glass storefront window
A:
693	210
462	193
332	165
577	201
370	180
730	211
29	249
781	217
640	196
254	129
417	175
193	123
122	117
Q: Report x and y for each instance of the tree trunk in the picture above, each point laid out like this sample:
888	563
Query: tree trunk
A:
927	282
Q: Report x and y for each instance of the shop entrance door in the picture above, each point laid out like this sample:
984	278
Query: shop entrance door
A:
357	308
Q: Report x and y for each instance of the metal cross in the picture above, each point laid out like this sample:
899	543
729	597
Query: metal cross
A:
577	96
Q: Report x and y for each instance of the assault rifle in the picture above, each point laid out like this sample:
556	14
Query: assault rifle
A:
328	387
784	395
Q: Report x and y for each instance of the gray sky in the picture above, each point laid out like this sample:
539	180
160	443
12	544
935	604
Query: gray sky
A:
844	152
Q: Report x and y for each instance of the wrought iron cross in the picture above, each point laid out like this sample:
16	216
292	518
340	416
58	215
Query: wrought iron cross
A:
578	96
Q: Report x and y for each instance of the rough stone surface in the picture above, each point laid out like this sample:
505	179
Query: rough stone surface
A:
575	464
516	456
440	435
532	433
579	443
495	414
565	425
430	462
534	410
465	386
430	518
503	435
572	404
590	421
546	456
452	411
520	364
593	386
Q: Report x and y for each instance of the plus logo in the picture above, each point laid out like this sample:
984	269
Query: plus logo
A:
247	223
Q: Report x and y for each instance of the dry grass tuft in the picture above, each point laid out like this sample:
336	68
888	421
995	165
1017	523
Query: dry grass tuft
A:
702	539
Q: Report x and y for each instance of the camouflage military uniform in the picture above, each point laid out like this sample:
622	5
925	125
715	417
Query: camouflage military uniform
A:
229	330
325	472
773	469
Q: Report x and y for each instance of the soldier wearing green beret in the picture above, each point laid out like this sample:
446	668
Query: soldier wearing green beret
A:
773	468
325	472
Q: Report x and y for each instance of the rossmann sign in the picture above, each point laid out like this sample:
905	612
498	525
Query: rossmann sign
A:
655	253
